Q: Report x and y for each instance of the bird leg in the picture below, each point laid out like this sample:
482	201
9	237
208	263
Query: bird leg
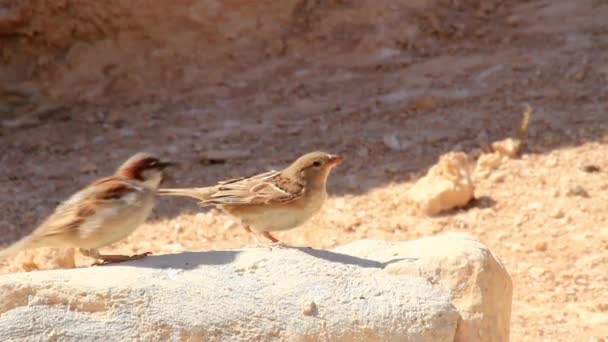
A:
275	242
255	236
258	243
111	258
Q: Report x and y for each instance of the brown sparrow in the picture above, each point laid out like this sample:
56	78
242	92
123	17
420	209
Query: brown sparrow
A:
104	212
274	200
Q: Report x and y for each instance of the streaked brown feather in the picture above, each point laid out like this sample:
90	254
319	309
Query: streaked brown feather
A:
70	215
265	188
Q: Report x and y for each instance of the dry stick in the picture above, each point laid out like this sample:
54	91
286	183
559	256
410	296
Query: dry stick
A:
521	134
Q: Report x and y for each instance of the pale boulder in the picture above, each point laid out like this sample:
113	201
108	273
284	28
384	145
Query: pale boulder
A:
447	185
478	283
432	289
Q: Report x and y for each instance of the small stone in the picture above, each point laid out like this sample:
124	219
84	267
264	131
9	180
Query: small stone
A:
446	185
309	308
578	191
557	213
508	147
541	246
590	168
489	161
424	103
497	177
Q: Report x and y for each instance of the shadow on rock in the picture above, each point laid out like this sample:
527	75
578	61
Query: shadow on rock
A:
347	259
191	260
184	260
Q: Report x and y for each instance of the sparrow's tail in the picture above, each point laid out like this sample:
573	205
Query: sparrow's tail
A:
198	193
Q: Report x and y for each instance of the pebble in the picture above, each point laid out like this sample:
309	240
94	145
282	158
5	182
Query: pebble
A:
497	177
309	308
590	168
557	213
541	246
578	191
425	103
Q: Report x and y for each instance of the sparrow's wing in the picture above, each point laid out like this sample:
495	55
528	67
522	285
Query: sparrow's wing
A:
265	188
87	209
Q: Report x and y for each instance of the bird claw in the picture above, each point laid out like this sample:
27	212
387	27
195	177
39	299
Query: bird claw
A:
278	245
114	259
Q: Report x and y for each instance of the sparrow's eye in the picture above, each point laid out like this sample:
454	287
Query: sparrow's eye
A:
316	164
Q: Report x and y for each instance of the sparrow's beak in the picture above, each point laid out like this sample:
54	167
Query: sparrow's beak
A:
335	159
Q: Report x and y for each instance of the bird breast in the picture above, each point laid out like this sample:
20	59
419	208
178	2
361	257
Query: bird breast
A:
275	217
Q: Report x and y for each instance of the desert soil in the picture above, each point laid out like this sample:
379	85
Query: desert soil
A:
391	111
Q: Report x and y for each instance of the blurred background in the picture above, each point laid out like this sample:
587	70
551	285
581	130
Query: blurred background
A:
231	88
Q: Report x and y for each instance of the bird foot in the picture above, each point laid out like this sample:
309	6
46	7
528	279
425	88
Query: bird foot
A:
271	245
113	259
278	245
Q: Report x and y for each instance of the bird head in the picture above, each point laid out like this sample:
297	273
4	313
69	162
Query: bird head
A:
145	168
314	167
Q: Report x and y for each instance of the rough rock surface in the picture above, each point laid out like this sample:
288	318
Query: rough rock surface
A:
479	284
447	185
256	294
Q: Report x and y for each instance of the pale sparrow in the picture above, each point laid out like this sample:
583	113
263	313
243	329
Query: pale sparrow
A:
274	200
104	212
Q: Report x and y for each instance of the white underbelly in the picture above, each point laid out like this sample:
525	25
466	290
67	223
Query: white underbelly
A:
274	218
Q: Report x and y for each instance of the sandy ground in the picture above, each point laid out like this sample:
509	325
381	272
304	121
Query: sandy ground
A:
545	214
